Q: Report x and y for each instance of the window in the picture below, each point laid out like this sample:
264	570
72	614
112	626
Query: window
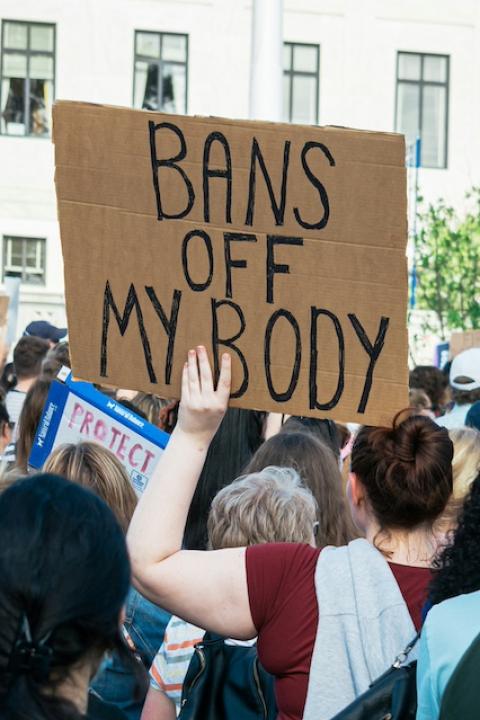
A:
24	258
160	74
422	104
301	65
27	78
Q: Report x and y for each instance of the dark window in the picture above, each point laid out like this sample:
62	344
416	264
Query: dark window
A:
422	104
27	78
24	258
160	72
301	66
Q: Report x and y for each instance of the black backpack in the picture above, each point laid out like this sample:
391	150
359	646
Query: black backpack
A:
392	696
226	682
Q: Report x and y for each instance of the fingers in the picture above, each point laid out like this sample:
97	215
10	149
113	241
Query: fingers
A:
205	370
192	374
197	378
185	389
225	379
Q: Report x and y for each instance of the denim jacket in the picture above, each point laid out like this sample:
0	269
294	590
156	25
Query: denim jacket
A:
145	624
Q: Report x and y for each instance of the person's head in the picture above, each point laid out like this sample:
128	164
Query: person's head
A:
420	403
28	355
465	377
431	380
263	507
5	428
401	477
465	468
238	437
57	357
458	567
473	416
344	435
318	469
29	418
7	379
159	411
150	405
324	430
65	576
46	331
97	469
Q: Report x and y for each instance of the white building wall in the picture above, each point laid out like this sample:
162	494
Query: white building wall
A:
358	39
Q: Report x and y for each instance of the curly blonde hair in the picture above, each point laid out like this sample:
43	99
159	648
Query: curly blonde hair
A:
465	468
263	507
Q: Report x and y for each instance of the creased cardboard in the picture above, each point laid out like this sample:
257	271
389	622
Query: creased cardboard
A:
465	340
282	244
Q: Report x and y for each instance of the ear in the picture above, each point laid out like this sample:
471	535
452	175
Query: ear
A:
356	489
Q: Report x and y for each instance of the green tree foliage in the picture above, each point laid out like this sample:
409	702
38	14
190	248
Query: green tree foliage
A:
447	253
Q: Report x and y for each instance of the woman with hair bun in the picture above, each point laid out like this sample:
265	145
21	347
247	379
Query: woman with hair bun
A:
329	621
65	577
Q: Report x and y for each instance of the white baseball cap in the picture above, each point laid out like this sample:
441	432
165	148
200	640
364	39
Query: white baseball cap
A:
466	365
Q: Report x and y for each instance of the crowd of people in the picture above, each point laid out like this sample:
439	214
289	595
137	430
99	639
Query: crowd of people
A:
273	567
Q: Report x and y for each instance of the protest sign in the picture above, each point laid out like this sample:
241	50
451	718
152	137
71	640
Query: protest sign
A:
281	244
75	412
12	287
4	303
465	340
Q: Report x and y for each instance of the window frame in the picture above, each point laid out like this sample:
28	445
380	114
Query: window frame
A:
28	53
24	269
160	61
421	85
292	73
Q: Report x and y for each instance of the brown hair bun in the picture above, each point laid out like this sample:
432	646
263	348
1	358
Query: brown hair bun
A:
406	470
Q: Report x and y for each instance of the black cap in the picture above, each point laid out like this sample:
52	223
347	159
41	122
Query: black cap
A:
46	331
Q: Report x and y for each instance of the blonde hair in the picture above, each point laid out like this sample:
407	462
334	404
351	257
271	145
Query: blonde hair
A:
95	467
465	468
263	507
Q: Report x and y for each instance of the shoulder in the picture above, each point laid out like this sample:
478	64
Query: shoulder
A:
451	626
285	555
462	606
278	575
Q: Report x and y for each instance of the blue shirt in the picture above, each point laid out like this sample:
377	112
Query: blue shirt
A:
449	630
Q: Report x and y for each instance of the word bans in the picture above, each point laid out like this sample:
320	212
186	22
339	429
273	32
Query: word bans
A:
158	133
372	347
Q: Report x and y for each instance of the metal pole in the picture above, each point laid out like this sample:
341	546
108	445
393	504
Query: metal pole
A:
266	64
413	281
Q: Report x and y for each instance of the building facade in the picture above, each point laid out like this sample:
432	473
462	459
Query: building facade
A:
374	64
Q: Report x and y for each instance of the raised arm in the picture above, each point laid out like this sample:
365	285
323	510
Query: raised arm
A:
208	589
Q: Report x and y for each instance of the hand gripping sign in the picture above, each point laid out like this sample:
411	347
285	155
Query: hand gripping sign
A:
75	412
282	244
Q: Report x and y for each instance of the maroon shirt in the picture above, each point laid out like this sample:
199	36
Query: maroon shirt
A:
283	603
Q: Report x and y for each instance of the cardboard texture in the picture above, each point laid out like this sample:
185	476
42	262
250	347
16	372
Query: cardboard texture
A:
282	244
4	303
461	341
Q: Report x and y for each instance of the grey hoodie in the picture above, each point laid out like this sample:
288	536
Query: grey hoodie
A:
364	623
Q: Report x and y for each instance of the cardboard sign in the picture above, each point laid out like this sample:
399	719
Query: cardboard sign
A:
75	412
4	304
461	341
284	245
